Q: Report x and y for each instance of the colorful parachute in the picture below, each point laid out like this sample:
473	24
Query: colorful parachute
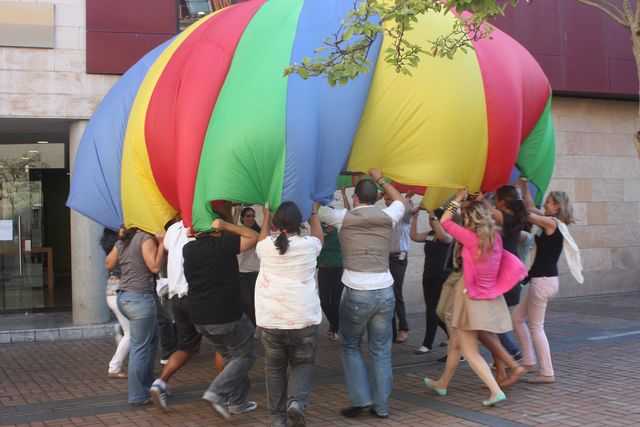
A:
209	116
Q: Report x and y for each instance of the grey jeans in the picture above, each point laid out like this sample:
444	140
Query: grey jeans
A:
294	349
236	342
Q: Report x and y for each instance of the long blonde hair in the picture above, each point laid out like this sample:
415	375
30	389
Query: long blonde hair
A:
565	211
479	220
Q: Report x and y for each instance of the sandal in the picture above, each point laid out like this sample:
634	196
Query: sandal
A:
120	375
542	379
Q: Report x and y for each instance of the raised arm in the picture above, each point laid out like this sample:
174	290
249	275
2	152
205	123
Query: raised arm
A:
314	222
441	235
154	255
345	200
111	261
448	214
248	237
413	230
266	223
522	184
394	194
535	215
236	213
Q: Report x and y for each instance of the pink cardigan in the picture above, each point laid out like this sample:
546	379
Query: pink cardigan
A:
490	275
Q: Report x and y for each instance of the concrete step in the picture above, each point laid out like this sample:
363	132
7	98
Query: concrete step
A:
48	327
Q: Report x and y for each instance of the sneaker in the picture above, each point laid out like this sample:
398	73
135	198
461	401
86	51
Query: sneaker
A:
296	416
355	411
159	394
142	403
377	415
218	406
422	350
247	406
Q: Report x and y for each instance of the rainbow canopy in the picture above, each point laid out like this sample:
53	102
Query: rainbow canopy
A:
209	116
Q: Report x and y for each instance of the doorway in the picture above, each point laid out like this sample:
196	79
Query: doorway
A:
34	228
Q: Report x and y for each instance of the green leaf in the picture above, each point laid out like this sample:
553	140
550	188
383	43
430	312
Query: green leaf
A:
347	34
303	73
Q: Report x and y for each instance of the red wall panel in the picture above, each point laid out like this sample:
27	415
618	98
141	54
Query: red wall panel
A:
124	50
119	32
581	50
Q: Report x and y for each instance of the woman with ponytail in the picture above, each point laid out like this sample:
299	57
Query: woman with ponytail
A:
288	310
140	257
478	305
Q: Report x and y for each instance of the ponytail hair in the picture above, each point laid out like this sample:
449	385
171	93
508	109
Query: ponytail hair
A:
287	219
128	235
282	243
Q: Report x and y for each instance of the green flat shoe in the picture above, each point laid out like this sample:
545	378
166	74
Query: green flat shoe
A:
440	391
499	398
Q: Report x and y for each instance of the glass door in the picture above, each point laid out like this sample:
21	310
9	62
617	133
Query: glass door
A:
24	267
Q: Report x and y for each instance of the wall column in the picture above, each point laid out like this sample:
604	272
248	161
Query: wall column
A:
87	257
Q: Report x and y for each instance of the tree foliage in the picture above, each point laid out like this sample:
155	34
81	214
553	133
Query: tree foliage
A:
14	176
345	53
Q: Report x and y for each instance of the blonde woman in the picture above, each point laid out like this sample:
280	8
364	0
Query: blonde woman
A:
528	316
488	272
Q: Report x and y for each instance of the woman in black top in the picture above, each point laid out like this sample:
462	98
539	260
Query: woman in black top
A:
528	316
437	246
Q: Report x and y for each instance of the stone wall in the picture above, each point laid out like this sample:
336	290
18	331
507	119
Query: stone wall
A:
597	165
43	83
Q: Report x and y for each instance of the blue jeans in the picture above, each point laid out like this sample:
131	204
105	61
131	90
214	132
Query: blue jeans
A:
236	343
140	309
289	356
371	312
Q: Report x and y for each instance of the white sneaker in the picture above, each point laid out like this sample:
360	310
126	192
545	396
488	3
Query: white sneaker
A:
422	350
219	407
159	394
247	406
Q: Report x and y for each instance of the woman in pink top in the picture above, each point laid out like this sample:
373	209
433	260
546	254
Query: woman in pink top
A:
488	272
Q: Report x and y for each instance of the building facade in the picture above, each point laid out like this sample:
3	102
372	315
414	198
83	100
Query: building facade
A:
58	58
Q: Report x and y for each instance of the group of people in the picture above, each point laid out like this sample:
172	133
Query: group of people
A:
239	282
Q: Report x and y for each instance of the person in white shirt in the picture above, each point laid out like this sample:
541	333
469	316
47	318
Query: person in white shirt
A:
188	338
368	300
288	311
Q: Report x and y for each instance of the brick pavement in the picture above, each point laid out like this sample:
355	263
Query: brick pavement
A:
595	345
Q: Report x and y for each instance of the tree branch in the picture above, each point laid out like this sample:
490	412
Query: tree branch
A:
615	7
622	20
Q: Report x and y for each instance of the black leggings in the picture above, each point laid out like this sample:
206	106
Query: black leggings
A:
330	291
431	289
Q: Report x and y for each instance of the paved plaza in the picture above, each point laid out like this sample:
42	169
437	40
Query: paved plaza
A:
595	344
